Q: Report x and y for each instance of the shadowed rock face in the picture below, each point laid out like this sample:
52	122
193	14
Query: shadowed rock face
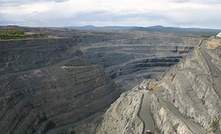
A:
130	60
128	57
46	83
22	55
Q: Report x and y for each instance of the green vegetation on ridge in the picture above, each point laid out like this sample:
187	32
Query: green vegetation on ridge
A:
13	34
17	34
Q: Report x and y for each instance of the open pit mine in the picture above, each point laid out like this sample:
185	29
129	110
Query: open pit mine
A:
122	82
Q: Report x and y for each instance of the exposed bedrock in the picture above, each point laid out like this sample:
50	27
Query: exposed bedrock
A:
22	55
63	89
117	49
191	88
142	65
122	117
166	120
132	59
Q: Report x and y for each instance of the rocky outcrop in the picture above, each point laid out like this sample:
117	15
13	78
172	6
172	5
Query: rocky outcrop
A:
191	88
166	121
47	83
122	117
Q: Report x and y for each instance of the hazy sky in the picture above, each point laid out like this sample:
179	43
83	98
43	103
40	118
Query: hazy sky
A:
178	13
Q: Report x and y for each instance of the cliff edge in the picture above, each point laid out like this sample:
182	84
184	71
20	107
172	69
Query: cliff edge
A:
189	96
188	100
47	83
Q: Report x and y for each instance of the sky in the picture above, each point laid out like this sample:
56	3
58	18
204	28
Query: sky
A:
60	13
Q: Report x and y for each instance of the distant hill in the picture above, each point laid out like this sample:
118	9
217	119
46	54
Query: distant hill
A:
121	27
91	27
158	28
198	31
80	27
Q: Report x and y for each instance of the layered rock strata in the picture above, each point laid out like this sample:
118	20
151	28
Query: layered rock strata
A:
22	55
133	59
46	83
191	87
128	57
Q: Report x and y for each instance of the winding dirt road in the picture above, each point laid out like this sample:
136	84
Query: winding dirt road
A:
146	116
216	74
196	129
145	113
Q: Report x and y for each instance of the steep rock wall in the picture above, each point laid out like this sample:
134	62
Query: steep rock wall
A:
190	88
53	85
166	121
122	117
22	55
132	59
119	51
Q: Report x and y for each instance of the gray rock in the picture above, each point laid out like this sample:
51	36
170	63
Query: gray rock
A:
166	121
47	83
122	116
189	87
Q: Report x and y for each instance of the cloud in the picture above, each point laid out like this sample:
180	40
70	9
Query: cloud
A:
14	3
209	1
186	13
180	1
30	1
197	1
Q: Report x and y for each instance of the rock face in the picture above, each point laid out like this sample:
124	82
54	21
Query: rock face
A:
22	55
188	100
128	57
46	83
130	60
122	116
218	35
191	88
166	121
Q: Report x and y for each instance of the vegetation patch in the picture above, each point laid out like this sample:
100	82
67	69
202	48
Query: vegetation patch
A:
18	34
